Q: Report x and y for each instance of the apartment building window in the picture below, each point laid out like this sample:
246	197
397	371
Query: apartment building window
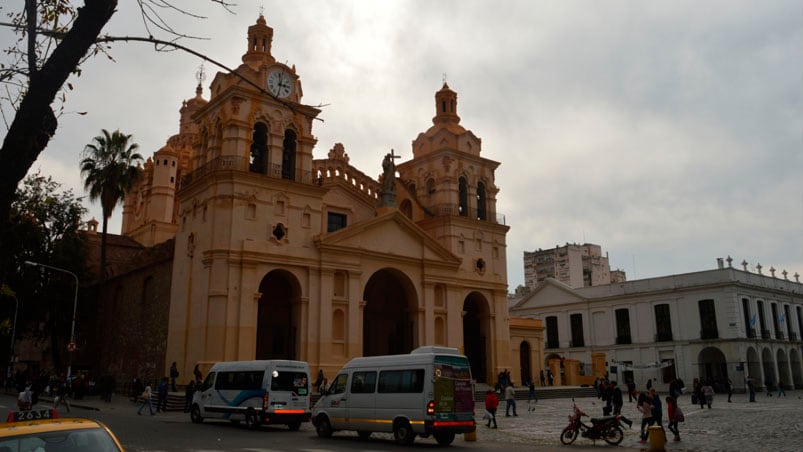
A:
663	323
749	322
708	319
762	322
576	321
776	321
552	332
623	326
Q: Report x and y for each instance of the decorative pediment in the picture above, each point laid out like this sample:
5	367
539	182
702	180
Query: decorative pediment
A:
549	292
389	235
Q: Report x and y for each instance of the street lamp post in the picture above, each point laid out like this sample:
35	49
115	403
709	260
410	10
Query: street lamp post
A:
71	347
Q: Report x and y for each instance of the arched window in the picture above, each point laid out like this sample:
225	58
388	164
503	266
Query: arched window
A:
481	212
259	149
430	186
289	155
462	187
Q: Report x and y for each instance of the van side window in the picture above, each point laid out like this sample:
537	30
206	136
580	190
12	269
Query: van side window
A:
240	380
363	382
290	381
401	381
339	385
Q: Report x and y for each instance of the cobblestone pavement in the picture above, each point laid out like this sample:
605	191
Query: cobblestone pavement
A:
769	424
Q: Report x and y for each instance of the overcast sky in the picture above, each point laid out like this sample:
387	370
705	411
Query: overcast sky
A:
668	132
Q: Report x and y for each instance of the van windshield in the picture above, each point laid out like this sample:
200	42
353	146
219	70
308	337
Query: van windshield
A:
291	382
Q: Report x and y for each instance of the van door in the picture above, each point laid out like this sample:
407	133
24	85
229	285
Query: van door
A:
335	402
206	396
362	401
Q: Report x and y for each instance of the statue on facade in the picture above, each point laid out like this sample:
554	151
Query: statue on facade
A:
387	191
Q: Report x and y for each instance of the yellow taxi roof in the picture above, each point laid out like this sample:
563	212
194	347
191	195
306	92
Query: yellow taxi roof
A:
46	425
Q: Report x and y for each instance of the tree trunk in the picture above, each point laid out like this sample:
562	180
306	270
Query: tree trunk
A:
35	123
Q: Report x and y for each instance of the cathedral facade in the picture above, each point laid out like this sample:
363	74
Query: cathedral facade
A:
279	255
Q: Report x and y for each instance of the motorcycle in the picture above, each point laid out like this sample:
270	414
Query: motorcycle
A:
607	428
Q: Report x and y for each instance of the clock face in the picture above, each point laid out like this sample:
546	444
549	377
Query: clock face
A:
280	84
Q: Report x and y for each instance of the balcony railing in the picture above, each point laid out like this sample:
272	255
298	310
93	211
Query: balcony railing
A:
238	163
709	333
792	336
765	334
624	339
779	335
552	344
663	337
580	343
470	212
751	333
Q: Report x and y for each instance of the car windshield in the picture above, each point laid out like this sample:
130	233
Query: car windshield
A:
84	440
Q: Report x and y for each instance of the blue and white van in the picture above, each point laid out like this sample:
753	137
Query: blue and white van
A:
255	392
428	392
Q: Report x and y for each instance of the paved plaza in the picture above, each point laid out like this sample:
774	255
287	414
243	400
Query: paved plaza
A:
769	424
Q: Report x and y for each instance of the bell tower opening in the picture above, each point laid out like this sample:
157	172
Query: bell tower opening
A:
259	149
289	155
389	317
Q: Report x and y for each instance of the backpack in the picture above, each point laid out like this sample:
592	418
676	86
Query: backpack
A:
679	414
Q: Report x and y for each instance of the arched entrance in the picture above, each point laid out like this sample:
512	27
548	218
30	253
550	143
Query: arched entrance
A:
753	363
389	324
769	368
476	331
278	316
783	368
794	360
524	360
712	365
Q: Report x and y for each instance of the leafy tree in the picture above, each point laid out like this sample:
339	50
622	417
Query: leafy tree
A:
44	228
55	37
110	171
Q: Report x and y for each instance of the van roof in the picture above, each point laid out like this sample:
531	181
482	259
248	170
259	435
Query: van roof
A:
417	356
260	364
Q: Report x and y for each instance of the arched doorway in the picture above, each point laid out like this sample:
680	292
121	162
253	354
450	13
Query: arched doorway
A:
794	360
768	366
712	365
783	368
278	316
476	331
524	360
753	363
389	318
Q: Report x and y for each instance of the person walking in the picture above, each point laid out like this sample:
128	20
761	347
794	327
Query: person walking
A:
60	394
617	400
645	407
196	372
675	415
532	399
173	376
631	391
189	391
510	399
781	391
491	404
657	408
751	389
543	378
708	394
768	385
146	395
729	388
161	394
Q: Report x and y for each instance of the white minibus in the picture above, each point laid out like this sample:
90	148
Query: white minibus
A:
428	392
256	392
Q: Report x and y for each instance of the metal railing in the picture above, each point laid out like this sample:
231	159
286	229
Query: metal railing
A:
709	333
238	163
624	339
663	337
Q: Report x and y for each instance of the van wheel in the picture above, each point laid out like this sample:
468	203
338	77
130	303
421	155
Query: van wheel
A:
195	414
444	438
323	427
403	433
251	421
294	426
363	434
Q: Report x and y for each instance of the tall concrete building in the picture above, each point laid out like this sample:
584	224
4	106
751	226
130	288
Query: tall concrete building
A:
572	264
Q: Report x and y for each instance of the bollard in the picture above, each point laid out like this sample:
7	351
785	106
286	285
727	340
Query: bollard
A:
470	436
657	437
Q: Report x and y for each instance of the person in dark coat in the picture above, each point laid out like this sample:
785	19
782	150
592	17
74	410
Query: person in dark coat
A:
189	391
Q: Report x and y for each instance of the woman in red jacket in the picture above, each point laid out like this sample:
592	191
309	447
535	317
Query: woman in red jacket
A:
491	403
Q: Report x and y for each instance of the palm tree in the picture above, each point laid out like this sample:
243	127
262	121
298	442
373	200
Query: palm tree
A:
110	170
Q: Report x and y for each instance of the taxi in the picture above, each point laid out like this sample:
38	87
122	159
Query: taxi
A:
44	431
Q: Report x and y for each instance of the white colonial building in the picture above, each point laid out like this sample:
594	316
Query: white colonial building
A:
721	323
